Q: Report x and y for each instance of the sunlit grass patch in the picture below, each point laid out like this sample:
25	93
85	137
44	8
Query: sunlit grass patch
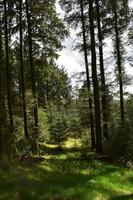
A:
64	175
72	142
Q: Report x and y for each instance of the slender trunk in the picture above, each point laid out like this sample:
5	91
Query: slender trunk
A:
119	64
58	108
102	73
99	148
22	74
47	91
93	145
3	117
8	78
32	70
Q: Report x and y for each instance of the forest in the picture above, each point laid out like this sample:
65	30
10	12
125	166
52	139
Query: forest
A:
62	136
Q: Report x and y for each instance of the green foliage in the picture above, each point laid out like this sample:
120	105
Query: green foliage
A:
20	144
47	34
83	106
119	146
60	114
43	125
18	123
58	127
74	125
86	138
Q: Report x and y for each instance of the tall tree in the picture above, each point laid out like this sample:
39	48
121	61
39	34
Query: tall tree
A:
99	147
102	71
117	22
22	73
3	116
32	70
8	77
87	76
119	60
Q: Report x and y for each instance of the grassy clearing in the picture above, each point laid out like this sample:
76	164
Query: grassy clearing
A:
65	176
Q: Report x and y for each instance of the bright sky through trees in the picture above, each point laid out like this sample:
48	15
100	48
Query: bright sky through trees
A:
73	61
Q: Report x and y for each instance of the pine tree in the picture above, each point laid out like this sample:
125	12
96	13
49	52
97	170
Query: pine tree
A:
102	71
8	77
22	73
116	25
119	61
88	78
32	70
3	114
99	147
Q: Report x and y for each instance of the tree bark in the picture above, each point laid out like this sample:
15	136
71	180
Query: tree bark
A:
102	73
8	78
119	63
93	145
32	69
99	147
22	73
3	116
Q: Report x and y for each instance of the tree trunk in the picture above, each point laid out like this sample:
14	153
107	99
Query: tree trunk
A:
119	64
102	73
93	145
8	78
3	121
32	69
99	148
22	74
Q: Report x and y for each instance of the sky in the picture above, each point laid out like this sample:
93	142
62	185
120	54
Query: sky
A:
69	58
73	61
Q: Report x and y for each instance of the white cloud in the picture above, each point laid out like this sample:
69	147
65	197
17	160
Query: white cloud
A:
71	59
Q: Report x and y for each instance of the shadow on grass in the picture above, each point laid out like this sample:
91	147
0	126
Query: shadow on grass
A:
55	180
123	197
70	178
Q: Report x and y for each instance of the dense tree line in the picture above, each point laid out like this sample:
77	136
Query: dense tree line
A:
31	33
98	21
37	100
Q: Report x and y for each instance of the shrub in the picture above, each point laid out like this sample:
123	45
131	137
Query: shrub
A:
120	144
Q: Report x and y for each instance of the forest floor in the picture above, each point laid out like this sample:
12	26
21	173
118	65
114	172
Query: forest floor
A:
65	176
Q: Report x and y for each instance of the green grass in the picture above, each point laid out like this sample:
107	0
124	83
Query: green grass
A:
65	176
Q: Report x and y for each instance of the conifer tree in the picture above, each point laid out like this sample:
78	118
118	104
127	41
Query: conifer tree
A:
8	71
32	70
119	60
102	71
3	114
22	73
87	75
99	147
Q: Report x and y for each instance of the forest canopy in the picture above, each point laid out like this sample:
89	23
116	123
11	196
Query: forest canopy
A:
38	103
66	137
